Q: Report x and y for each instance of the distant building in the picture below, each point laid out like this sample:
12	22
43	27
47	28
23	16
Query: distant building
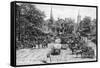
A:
51	17
78	17
76	25
49	24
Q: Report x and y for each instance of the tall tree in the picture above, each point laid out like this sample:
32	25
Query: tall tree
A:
85	26
32	14
28	19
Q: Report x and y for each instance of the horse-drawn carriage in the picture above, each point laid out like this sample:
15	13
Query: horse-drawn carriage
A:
81	48
78	46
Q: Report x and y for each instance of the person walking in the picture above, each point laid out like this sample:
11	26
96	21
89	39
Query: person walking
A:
55	48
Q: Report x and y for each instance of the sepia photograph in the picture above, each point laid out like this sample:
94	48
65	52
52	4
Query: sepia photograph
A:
50	33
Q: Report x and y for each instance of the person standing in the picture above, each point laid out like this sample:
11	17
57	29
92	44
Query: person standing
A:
54	48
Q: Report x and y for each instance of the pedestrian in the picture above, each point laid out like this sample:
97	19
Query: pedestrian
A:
55	48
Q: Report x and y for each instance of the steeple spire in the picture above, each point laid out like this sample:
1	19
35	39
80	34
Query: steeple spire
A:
51	16
78	21
78	17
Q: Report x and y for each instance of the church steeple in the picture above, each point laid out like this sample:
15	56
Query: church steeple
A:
78	21
51	16
78	17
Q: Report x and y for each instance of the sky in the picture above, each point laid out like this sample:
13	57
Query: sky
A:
60	11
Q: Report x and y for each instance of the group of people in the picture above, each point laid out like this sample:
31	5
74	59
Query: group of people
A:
77	45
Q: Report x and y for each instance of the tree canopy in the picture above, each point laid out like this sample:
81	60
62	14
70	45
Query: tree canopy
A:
28	21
